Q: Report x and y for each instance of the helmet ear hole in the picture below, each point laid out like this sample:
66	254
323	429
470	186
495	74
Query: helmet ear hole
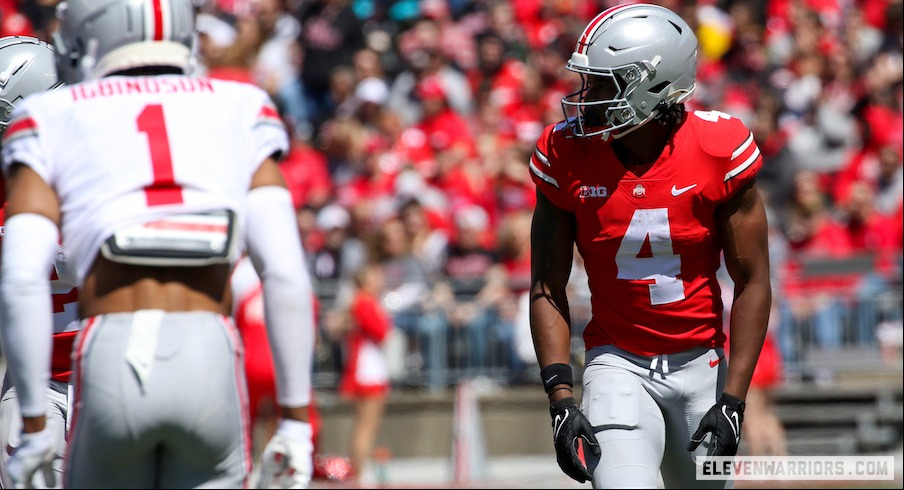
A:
658	88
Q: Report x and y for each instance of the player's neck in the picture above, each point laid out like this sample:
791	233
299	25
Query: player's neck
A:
640	149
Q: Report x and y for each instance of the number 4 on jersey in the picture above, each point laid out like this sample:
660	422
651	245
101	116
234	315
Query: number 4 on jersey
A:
661	266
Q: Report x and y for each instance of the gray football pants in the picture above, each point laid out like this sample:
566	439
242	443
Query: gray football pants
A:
160	401
645	409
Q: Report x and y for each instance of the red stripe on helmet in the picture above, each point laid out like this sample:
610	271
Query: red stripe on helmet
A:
594	24
158	20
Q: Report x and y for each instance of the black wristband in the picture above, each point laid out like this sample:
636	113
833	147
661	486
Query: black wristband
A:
556	374
733	402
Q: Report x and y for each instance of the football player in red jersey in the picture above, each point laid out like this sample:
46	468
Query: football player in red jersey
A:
653	196
29	65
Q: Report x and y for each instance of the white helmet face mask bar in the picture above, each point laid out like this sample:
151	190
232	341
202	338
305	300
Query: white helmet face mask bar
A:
606	116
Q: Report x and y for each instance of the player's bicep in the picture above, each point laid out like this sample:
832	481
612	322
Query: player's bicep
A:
27	192
268	173
743	226
552	245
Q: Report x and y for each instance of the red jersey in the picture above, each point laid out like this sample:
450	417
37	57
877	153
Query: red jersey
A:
650	243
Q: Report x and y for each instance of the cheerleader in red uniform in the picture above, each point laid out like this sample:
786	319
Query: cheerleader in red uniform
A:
365	376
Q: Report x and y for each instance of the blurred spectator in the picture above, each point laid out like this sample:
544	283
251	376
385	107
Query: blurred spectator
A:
497	76
365	376
870	233
456	39
278	59
514	248
429	238
445	139
878	161
330	35
812	297
407	299
227	46
306	173
512	184
776	179
420	48
472	288
340	254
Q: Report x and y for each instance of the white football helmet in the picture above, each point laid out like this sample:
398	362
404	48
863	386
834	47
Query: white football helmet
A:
27	66
99	37
648	52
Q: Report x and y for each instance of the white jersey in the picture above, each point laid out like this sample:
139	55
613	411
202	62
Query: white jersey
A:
122	151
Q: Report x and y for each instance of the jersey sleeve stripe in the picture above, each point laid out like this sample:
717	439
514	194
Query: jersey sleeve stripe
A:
542	176
268	111
540	156
24	126
268	115
742	167
741	149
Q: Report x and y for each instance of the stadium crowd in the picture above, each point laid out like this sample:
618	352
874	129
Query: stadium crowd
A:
413	123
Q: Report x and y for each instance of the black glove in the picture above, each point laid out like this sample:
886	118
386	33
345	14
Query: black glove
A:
724	421
568	424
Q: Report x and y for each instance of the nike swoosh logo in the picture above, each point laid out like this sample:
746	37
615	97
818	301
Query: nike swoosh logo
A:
713	363
677	192
554	376
735	424
558	424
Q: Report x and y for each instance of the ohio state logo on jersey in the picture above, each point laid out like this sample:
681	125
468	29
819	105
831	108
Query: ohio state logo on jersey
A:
586	191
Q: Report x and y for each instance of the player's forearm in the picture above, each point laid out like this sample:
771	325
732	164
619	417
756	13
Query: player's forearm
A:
549	326
275	249
301	414
26	326
749	319
551	332
34	424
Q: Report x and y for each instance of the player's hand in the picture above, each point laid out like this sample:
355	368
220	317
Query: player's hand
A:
569	425
723	420
36	451
287	461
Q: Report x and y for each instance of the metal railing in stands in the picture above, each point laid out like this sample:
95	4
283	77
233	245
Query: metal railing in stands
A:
835	334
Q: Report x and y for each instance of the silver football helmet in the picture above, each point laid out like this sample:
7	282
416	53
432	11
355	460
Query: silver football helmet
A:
27	66
99	37
647	52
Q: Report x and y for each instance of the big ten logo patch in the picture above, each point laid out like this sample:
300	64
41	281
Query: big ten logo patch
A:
586	191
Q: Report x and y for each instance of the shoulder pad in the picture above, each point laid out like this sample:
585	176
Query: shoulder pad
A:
562	124
720	133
